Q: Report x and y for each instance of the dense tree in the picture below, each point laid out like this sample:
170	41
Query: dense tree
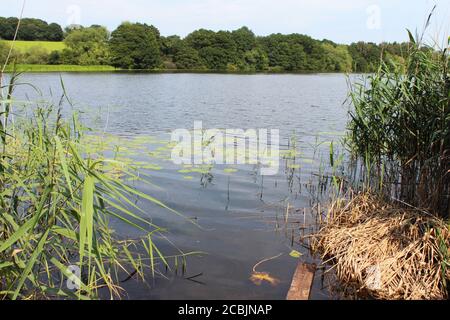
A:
336	58
188	58
244	39
8	28
87	46
55	32
214	58
297	58
140	46
54	58
30	29
200	39
217	50
170	45
135	46
255	60
33	29
276	49
286	53
395	48
366	56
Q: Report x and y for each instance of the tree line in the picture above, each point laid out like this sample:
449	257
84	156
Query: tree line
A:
30	30
141	46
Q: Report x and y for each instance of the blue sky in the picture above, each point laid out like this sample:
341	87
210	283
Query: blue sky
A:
343	21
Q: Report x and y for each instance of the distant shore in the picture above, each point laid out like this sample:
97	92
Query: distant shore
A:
57	68
40	68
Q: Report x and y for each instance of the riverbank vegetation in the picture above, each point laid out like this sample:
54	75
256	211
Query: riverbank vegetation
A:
386	237
58	68
400	128
141	46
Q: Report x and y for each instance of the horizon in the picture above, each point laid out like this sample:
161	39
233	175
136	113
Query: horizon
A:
346	22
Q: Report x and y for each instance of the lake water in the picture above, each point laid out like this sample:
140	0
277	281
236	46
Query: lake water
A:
242	215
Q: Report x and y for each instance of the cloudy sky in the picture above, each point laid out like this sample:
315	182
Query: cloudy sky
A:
343	21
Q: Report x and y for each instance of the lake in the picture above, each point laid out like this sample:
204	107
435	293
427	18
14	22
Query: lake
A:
242	215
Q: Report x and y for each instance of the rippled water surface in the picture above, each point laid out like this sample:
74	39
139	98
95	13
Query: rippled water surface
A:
242	215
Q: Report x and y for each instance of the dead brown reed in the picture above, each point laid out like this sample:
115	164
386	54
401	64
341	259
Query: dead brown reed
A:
386	251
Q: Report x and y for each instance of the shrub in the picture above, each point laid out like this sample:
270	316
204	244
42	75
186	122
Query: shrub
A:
35	55
135	46
54	58
4	51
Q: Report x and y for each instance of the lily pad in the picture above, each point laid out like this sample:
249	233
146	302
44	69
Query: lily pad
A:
295	254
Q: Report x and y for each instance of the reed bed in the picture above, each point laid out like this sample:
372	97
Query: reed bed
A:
57	201
400	127
383	250
378	243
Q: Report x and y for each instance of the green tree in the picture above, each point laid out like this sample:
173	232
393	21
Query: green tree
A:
87	46
255	60
217	50
170	45
297	58
188	58
244	39
54	58
30	30
337	58
8	28
214	58
366	56
55	32
135	46
200	39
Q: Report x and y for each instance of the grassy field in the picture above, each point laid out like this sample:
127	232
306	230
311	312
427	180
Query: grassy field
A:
59	68
24	46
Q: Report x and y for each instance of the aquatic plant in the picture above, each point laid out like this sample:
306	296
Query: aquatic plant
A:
56	205
400	127
382	235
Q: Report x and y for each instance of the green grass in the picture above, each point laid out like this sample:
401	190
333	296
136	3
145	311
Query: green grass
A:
58	68
25	46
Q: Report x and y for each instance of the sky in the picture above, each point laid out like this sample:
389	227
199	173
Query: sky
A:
342	21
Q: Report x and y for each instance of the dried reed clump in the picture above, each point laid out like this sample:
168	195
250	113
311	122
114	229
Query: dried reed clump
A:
386	251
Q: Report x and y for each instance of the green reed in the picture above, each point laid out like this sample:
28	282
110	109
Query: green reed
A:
56	202
400	128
